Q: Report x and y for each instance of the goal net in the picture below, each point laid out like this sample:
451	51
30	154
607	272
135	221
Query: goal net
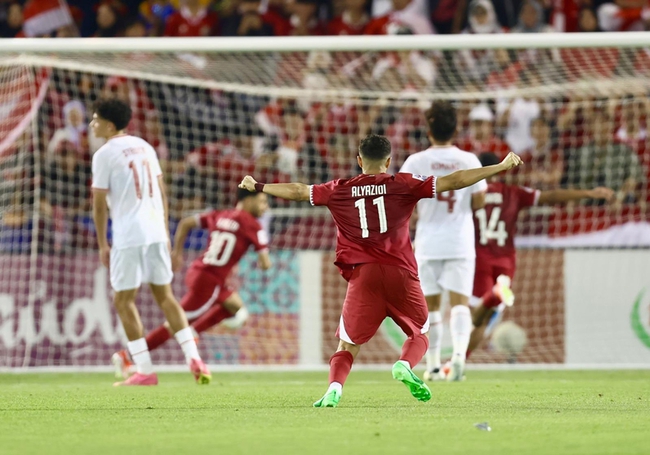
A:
295	111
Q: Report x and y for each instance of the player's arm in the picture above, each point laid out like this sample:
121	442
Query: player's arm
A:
182	231
290	191
264	260
561	196
478	200
100	217
163	193
468	177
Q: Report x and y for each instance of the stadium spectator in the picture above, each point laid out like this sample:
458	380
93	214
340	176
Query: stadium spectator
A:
352	21
531	20
477	64
74	133
247	21
632	130
604	162
109	18
156	12
192	19
275	12
405	18
564	14
543	160
447	15
516	113
505	73
11	19
65	190
624	16
587	21
481	137
304	19
134	27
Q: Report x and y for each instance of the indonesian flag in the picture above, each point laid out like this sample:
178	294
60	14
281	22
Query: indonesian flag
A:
42	17
21	95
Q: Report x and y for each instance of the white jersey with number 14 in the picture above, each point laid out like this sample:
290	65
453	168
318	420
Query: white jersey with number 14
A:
445	227
128	168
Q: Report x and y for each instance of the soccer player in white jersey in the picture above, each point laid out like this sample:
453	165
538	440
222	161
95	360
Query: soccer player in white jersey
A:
444	239
128	182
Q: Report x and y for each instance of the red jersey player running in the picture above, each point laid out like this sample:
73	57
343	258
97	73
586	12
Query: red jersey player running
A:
209	298
374	254
495	228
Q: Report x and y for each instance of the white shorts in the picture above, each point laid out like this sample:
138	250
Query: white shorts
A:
130	267
456	275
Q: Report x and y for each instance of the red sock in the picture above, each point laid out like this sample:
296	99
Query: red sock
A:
340	366
490	300
414	349
467	354
157	337
212	317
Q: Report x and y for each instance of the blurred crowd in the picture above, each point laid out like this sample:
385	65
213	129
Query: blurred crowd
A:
208	139
111	18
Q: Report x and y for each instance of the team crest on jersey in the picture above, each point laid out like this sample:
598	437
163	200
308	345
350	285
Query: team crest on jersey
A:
419	177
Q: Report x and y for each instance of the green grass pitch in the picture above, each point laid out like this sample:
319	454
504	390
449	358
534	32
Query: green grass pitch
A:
270	413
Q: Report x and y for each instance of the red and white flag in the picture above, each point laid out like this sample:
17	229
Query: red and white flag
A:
42	17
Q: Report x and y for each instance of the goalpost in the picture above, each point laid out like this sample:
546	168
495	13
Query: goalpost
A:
295	108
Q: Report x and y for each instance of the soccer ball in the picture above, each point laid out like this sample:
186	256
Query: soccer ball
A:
509	339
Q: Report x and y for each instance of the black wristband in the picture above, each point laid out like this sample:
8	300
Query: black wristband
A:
259	187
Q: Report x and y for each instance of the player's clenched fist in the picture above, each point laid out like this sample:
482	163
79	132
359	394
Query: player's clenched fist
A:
510	161
248	183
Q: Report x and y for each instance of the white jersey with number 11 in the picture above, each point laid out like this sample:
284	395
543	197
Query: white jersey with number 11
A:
128	168
445	227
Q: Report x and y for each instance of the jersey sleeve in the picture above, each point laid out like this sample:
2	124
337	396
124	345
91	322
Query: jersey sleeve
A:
206	219
527	197
156	171
320	194
260	239
420	186
101	171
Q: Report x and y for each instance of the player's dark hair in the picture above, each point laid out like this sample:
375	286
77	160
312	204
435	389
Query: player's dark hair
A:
488	159
243	193
115	111
441	118
374	148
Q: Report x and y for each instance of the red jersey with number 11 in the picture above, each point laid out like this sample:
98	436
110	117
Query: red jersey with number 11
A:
496	223
372	215
232	232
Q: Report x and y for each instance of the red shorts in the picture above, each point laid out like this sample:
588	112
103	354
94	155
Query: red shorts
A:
488	270
376	291
204	290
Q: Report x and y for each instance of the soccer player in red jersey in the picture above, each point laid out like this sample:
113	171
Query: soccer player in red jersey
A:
210	299
495	227
374	254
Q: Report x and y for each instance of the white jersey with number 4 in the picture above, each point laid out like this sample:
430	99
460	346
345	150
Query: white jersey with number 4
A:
445	227
128	168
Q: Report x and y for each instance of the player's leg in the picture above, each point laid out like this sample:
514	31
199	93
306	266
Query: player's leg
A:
363	312
429	272
340	366
408	309
158	274
458	278
126	278
232	307
492	282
